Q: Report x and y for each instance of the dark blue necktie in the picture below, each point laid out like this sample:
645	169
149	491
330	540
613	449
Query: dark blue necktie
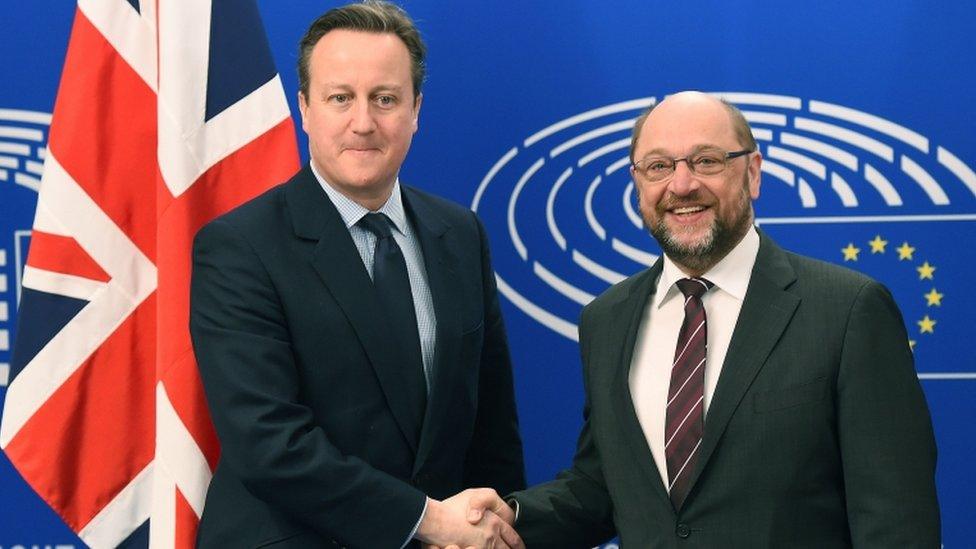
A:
392	286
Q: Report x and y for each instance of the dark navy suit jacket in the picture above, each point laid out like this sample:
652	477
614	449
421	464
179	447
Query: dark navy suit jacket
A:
321	444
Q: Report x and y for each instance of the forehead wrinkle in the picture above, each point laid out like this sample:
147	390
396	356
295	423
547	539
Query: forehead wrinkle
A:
663	151
334	85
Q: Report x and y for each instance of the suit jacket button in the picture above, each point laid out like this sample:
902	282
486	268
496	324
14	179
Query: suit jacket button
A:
682	530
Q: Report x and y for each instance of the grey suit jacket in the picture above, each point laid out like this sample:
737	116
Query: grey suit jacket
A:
818	434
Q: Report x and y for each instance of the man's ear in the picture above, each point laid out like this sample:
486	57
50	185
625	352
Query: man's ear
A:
416	111
755	173
302	107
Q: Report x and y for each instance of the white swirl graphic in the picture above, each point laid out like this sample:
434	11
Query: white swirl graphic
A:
23	147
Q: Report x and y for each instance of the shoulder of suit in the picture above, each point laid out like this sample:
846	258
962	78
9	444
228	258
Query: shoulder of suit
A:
256	204
619	291
834	278
432	200
451	213
255	212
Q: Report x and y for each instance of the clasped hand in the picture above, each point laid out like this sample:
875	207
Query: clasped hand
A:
473	519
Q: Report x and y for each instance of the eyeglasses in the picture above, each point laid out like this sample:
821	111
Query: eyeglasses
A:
658	169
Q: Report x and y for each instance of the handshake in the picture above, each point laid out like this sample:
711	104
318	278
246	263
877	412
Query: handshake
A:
474	518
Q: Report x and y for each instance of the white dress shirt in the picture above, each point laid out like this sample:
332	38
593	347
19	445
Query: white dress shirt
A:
657	337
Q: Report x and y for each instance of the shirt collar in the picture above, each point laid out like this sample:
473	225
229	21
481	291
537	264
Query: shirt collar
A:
351	211
731	274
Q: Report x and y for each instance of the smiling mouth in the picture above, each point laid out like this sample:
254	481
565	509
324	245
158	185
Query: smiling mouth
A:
688	210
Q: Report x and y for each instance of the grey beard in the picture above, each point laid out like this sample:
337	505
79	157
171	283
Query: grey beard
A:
705	254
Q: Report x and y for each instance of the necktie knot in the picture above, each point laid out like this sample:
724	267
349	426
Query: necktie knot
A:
694	287
377	223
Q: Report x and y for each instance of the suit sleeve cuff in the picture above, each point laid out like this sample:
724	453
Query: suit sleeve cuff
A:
416	527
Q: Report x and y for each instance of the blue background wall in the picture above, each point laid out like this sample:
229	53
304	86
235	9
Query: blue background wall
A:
499	72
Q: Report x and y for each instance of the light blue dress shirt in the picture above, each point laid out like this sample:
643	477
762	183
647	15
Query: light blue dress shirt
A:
405	236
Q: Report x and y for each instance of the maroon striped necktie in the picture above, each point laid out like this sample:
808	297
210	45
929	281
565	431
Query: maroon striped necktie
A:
684	417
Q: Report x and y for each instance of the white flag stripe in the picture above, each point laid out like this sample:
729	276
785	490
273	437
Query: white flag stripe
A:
132	34
44	219
75	287
183	158
184	58
121	516
162	530
178	455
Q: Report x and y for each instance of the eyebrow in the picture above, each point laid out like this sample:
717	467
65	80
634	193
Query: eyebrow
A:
381	87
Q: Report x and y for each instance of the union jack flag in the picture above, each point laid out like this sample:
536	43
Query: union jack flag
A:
168	114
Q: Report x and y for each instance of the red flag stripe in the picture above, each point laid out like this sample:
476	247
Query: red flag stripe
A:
83	420
186	523
104	133
62	254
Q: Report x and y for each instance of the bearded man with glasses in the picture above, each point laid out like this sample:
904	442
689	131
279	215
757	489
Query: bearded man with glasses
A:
737	395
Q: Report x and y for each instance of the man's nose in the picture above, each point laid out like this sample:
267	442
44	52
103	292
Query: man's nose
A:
684	181
362	118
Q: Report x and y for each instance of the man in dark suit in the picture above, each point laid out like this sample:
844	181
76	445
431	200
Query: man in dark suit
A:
807	427
347	328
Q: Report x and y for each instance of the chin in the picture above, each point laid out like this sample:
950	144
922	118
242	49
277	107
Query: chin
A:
366	181
361	178
691	237
684	242
693	247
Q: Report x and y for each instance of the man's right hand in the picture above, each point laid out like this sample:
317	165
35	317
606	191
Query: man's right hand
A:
475	501
469	520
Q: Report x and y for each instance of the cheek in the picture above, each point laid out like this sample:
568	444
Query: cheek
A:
649	198
401	132
326	125
647	204
733	201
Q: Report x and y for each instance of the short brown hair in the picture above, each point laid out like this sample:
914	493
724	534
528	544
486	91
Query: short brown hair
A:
741	127
743	133
375	16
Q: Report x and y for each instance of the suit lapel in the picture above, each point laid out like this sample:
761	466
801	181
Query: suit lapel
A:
337	261
441	264
624	322
766	311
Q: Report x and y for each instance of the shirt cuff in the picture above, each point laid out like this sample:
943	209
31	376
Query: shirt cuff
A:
416	526
514	504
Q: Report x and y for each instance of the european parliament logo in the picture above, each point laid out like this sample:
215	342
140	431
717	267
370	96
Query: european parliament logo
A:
840	184
23	145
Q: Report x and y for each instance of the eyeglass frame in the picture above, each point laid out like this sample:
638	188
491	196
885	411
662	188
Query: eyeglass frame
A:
728	155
